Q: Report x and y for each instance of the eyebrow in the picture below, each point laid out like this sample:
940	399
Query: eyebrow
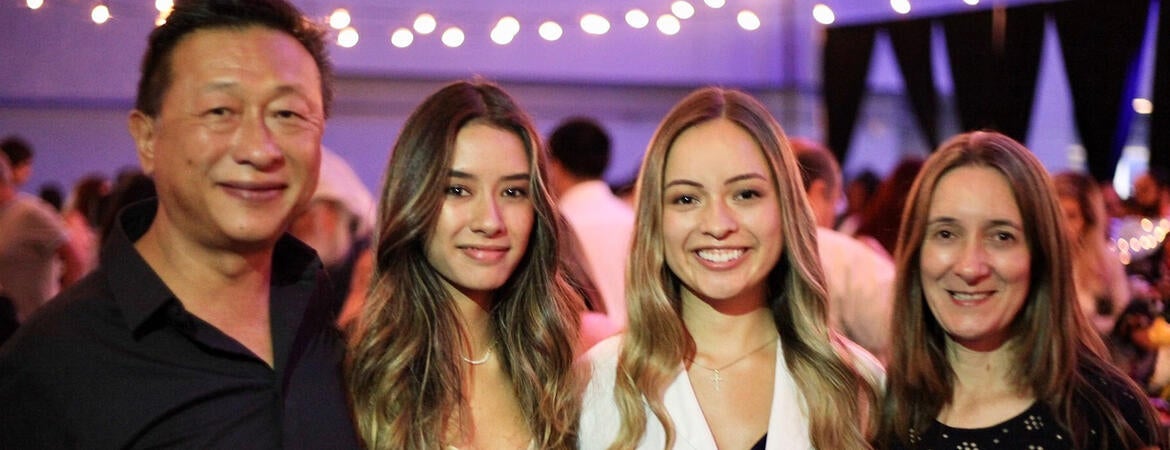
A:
283	89
220	85
737	178
994	223
519	176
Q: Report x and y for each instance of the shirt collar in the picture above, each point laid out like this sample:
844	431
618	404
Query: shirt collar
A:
141	294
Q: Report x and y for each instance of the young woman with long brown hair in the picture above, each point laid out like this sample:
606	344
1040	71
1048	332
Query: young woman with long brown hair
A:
467	335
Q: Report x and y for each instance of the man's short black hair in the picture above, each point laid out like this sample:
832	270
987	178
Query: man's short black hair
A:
189	16
17	149
582	147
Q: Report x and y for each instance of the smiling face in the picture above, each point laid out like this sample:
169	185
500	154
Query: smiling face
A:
975	261
487	215
721	216
236	146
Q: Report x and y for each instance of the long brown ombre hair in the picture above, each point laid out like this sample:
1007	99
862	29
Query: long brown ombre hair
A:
1055	349
404	368
657	344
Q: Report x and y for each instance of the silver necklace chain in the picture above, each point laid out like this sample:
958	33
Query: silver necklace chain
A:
476	362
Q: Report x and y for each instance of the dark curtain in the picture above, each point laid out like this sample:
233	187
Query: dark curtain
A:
1160	118
995	57
1101	44
844	68
911	42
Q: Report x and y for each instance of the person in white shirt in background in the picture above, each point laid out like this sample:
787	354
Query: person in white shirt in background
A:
338	223
860	280
579	150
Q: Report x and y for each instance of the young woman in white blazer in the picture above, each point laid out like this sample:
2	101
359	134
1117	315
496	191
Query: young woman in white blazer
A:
728	344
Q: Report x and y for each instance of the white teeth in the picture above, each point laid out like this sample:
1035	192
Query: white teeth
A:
720	255
960	296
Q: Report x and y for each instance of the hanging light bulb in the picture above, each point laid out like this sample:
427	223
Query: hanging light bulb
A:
900	6
823	14
34	4
500	37
425	23
748	20
453	37
100	14
715	4
637	18
348	37
339	19
505	30
508	24
401	38
550	31
594	24
668	24
682	9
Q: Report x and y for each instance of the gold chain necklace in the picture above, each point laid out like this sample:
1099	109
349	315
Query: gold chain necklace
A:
717	377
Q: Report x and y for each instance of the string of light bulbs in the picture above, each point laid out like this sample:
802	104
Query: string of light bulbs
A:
507	28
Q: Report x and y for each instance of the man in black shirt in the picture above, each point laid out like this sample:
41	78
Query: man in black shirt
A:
204	326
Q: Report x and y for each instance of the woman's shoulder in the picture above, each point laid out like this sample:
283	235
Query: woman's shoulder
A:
1112	384
1126	397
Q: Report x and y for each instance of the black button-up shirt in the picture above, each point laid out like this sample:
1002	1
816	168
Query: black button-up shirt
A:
117	362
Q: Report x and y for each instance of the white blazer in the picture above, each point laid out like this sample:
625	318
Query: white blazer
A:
787	425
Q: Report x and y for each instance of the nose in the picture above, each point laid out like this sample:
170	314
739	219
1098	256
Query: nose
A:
972	265
719	220
486	219
255	144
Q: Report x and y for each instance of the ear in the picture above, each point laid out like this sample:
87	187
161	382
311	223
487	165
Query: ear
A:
142	130
818	191
555	179
818	199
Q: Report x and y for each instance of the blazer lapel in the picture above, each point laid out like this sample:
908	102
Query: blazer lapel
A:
788	423
689	422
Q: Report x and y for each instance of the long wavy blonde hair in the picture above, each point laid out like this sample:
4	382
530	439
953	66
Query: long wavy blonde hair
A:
403	367
656	345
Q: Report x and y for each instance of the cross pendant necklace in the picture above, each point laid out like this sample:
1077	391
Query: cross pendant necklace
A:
716	376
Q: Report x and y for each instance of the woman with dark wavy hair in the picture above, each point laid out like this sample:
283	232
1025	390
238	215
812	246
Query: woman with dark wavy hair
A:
993	350
728	344
467	335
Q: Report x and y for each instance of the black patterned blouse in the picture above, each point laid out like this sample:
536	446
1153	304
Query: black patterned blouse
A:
1037	429
1033	429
